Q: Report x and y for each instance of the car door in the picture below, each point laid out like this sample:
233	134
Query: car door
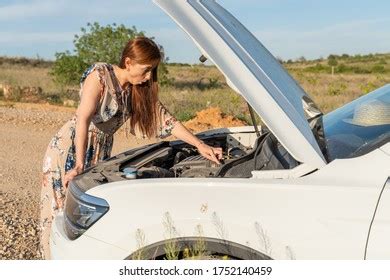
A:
378	241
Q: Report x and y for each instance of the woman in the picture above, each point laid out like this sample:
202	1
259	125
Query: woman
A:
110	95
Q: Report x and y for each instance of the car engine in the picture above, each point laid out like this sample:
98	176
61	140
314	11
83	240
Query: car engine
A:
241	155
190	166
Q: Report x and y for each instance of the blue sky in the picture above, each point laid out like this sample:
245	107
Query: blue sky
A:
289	29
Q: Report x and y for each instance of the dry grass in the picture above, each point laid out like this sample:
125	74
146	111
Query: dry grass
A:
330	92
18	75
198	87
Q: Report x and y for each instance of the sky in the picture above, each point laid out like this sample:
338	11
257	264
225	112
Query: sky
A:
288	28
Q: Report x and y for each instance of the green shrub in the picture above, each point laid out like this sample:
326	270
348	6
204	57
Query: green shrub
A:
367	87
359	70
342	68
378	69
332	62
184	116
97	44
335	89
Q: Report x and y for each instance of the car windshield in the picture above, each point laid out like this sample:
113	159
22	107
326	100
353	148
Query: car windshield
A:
358	127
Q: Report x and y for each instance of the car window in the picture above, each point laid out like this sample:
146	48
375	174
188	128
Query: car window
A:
358	127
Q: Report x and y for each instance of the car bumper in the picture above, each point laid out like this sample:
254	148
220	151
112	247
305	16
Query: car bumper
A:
84	247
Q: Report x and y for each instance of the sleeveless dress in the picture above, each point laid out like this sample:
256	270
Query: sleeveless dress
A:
60	156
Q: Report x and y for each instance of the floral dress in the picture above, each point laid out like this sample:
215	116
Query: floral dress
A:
59	158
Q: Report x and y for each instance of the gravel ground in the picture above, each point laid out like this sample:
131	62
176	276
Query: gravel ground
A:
25	131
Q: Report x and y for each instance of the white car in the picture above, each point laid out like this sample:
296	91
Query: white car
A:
308	186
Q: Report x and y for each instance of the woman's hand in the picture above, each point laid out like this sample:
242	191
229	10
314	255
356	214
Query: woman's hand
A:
211	153
70	175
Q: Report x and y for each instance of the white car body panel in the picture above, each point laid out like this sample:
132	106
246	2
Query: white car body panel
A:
386	149
85	247
252	71
336	222
380	230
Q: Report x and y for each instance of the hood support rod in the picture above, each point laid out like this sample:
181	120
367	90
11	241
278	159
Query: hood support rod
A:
253	119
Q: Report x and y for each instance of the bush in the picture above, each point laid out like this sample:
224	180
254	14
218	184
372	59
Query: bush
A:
96	44
68	68
368	87
332	62
378	69
342	68
358	70
184	116
317	68
335	89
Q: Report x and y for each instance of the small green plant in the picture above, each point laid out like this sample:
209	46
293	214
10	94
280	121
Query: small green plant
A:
335	89
312	80
367	87
184	116
214	83
208	83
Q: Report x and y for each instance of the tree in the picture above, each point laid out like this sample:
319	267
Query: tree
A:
302	59
332	62
96	43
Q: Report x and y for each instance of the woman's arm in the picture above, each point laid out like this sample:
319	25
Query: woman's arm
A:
211	153
88	104
169	125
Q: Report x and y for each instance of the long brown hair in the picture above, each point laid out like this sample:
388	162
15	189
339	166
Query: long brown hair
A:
144	97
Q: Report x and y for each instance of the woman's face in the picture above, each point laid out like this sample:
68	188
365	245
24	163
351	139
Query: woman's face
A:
139	73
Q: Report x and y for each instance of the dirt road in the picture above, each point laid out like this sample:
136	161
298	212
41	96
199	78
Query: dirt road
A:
25	131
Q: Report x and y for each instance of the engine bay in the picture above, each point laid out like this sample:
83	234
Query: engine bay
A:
243	152
188	163
182	160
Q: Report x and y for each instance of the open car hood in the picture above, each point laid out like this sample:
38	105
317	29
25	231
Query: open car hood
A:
252	71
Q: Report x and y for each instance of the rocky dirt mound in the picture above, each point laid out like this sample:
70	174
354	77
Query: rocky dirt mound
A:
212	118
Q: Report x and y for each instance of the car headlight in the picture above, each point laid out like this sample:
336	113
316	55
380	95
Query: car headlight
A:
81	211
